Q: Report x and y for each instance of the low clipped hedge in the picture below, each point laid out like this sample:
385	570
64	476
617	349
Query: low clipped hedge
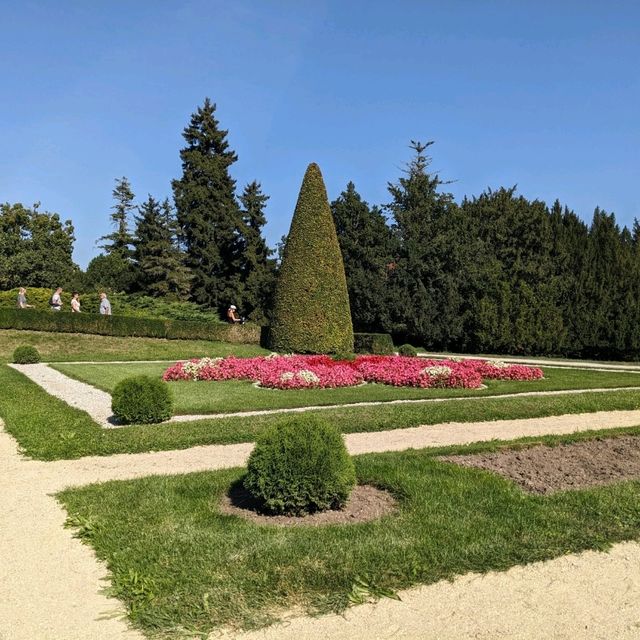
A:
141	400
26	354
60	321
408	350
300	467
379	344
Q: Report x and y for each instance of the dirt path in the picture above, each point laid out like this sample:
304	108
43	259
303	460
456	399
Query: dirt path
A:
97	403
50	583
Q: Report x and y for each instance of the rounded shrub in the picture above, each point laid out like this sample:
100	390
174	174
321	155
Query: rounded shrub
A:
26	354
408	350
300	467
141	400
311	312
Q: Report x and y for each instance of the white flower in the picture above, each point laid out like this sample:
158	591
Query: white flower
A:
456	359
499	364
287	376
308	376
272	355
438	371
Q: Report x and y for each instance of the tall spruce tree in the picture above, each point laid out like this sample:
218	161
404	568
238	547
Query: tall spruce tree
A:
115	267
159	263
208	213
258	267
369	250
426	269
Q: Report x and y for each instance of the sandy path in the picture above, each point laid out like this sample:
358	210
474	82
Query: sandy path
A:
50	583
542	362
588	596
97	403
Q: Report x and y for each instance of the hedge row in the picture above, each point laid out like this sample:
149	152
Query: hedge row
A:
379	344
59	321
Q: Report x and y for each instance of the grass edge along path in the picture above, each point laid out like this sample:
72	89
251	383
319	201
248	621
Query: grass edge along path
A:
231	572
49	429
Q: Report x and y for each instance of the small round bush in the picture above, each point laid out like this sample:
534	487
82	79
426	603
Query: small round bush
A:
141	400
26	354
300	467
407	350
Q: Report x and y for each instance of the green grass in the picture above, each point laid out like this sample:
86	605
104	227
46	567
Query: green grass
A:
65	347
233	395
48	429
179	564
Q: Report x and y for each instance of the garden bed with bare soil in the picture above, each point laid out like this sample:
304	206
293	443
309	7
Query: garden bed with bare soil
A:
544	469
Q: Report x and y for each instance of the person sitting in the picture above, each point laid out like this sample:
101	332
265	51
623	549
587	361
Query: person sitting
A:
232	315
22	299
56	300
75	302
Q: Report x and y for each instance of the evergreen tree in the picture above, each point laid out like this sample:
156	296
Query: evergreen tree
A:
114	268
428	299
120	240
258	268
311	306
159	263
369	250
208	214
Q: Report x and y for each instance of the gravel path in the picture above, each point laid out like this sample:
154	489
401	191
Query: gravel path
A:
50	583
543	362
587	596
97	403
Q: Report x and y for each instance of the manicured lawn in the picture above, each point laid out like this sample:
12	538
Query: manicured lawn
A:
49	429
178	563
65	347
233	395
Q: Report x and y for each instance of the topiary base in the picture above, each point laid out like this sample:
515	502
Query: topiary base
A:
365	503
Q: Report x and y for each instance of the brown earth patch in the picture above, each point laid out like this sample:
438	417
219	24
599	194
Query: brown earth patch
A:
365	503
544	469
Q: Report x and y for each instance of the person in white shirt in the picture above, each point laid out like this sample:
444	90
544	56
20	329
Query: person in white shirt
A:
56	300
105	305
75	302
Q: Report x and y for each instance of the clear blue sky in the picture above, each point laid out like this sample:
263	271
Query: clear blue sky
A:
542	94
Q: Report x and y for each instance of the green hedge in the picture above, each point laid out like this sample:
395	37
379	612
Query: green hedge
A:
311	306
379	344
123	304
141	400
59	321
300	467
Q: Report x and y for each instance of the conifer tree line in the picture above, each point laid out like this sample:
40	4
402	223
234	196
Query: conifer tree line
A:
494	273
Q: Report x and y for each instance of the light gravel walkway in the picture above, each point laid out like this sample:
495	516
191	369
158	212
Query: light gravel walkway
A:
97	403
632	367
50	583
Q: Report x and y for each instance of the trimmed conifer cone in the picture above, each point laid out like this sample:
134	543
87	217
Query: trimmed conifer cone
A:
311	307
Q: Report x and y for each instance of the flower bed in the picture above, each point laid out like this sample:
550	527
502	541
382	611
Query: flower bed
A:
305	372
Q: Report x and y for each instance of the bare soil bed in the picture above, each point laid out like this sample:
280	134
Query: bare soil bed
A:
365	503
543	469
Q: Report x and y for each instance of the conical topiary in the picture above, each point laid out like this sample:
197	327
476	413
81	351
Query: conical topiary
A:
311	307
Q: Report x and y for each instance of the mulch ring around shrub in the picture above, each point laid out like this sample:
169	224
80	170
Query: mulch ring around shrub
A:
543	469
365	503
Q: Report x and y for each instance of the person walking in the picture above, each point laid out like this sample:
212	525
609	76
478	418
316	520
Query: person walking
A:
75	302
105	305
22	299
56	300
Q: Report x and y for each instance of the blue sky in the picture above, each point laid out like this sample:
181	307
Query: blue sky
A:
540	94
